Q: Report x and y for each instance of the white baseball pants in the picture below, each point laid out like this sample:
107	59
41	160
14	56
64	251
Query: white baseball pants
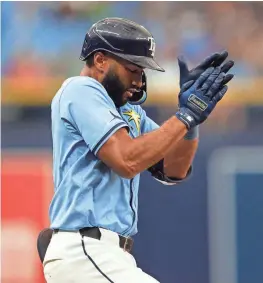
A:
73	259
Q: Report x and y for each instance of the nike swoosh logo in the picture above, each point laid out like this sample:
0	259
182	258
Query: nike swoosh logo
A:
114	116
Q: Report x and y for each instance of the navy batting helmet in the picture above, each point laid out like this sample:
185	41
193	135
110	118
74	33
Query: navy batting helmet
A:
122	38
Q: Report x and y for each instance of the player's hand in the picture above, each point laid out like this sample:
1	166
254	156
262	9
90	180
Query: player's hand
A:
197	99
214	60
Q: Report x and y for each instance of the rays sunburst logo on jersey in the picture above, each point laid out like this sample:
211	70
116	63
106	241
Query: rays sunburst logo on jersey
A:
135	117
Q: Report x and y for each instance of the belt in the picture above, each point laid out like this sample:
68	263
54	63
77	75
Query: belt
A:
125	243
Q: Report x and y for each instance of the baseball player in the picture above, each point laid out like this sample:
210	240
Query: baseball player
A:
103	140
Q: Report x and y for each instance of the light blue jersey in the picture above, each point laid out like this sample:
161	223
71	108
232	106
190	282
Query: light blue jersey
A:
87	192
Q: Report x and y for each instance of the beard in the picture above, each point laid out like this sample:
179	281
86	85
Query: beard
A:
114	87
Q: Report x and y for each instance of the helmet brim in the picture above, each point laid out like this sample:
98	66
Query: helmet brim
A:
142	61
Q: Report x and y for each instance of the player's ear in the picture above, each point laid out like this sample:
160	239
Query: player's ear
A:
100	61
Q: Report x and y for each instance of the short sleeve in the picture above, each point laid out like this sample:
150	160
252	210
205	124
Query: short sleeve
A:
88	108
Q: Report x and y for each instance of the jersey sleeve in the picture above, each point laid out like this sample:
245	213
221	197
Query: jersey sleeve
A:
89	109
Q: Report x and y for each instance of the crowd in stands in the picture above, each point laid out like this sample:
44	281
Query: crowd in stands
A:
45	38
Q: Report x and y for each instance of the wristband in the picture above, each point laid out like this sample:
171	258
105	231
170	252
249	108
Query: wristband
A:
192	134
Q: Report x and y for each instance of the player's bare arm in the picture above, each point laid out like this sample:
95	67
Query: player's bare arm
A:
179	158
128	157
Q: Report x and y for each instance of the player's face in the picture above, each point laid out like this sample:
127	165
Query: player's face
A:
122	80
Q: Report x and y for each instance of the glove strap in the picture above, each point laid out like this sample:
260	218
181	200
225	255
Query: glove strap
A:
186	118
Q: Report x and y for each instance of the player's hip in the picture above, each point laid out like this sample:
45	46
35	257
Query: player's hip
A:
73	258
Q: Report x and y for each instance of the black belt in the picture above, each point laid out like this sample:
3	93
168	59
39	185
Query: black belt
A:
94	232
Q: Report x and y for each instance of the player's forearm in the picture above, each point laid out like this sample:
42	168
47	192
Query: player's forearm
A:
150	148
179	158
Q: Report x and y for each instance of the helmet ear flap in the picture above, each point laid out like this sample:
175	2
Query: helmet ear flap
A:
140	96
144	81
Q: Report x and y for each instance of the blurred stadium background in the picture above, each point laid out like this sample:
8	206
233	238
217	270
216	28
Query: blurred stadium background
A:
207	230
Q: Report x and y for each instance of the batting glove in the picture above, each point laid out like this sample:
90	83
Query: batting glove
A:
197	99
214	60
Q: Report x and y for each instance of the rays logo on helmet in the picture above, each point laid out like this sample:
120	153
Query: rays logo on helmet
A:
152	45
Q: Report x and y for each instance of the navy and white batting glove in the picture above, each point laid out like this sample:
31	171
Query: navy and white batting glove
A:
197	99
214	60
